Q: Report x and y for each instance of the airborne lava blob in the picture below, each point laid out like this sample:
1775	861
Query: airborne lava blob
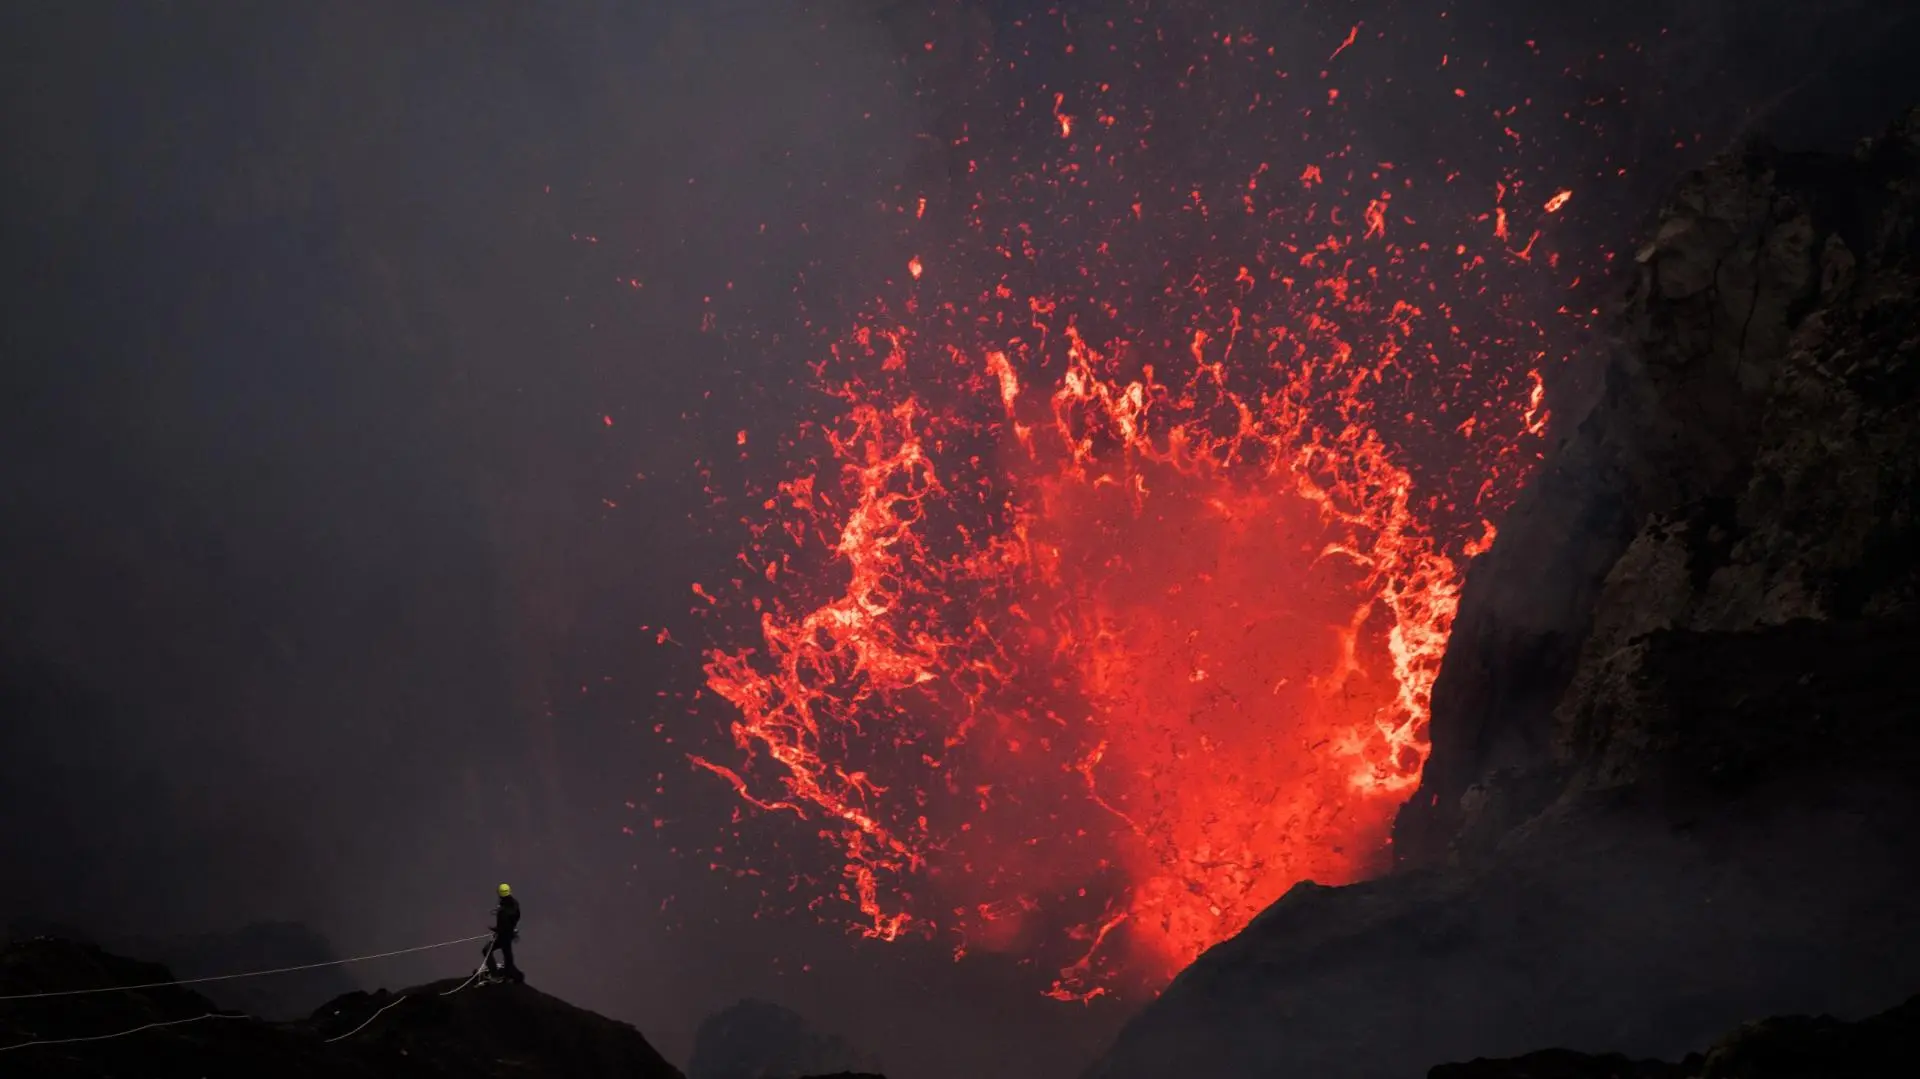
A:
1105	602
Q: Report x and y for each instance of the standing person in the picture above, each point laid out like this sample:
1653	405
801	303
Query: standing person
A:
506	926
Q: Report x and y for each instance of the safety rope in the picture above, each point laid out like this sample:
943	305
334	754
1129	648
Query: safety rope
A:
122	1033
471	978
245	974
367	1022
477	971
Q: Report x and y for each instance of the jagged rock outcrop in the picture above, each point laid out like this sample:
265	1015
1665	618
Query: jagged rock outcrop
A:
483	1032
1794	1047
756	1039
1675	734
1749	462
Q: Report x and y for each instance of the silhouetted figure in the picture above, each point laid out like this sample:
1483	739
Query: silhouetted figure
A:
506	926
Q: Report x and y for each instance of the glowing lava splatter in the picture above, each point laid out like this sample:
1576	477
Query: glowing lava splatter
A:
1105	602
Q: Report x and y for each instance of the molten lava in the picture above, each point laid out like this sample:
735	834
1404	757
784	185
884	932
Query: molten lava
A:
1172	642
1091	619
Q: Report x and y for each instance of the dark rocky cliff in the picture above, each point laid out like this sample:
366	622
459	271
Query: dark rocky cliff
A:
1672	785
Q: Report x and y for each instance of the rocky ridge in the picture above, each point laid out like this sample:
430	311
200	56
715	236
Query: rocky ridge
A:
452	1029
1794	1047
425	1032
1671	784
440	1031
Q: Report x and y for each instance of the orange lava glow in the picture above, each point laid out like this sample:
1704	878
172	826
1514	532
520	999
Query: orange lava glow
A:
1106	601
1207	620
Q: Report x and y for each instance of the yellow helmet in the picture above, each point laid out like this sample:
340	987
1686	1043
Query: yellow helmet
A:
505	890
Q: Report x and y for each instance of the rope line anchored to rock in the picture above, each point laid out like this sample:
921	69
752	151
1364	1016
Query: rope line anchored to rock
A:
477	971
231	977
243	974
471	978
122	1033
368	1021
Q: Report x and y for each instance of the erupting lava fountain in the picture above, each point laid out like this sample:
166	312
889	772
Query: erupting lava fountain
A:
1105	601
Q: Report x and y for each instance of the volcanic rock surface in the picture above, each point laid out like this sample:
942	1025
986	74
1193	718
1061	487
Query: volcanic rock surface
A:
479	1032
755	1039
1674	737
1794	1047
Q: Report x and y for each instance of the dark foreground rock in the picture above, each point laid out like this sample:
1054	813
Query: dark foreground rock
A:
429	1032
757	1039
1796	1047
1675	735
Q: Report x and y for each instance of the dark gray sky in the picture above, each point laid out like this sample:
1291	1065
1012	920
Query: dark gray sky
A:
312	606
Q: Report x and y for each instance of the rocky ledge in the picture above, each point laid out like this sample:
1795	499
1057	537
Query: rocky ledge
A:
454	1029
428	1032
1674	738
1798	1047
